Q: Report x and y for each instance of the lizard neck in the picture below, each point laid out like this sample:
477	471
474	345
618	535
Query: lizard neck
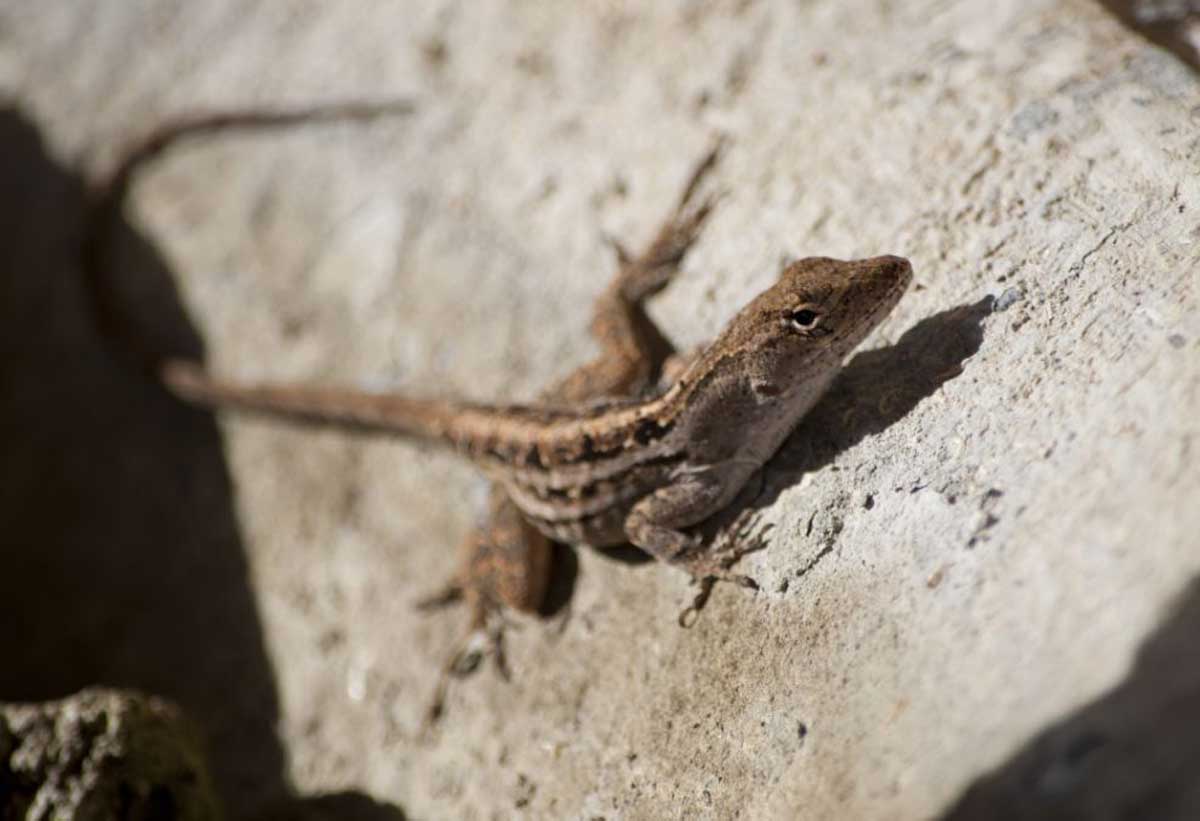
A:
716	388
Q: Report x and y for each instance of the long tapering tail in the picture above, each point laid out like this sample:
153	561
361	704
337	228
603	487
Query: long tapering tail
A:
491	429
346	408
106	201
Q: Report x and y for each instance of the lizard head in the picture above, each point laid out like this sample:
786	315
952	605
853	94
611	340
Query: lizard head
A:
802	327
827	303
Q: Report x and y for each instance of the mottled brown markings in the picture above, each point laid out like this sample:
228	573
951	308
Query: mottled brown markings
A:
533	457
726	414
649	430
553	508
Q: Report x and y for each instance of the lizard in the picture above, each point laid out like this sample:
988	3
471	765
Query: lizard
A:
585	465
504	562
637	471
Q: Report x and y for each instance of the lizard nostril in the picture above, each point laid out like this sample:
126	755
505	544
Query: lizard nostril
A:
895	269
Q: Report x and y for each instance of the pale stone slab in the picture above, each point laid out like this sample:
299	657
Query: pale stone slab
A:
972	539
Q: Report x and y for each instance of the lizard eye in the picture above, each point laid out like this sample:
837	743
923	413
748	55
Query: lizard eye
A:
803	319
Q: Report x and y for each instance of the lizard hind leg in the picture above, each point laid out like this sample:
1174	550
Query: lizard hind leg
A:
506	565
485	636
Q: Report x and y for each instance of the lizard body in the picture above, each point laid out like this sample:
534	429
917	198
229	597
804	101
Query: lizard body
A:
636	470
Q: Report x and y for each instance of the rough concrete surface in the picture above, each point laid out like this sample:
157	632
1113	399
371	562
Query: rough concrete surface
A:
981	592
102	754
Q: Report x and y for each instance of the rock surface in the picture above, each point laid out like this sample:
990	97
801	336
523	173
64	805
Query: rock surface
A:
102	755
982	541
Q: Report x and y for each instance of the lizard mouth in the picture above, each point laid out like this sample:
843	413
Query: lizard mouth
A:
896	270
889	278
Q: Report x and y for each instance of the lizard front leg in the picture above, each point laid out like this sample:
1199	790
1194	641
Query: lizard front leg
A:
655	525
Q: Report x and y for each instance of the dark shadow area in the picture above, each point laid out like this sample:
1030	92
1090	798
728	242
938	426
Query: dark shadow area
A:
1163	24
624	553
333	807
878	388
1132	754
875	389
564	573
122	562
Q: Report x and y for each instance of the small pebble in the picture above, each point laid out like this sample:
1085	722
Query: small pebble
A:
1006	300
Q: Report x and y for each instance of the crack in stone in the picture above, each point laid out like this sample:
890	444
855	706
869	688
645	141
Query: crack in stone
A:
1112	232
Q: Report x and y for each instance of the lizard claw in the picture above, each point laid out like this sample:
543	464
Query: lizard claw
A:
717	572
624	257
712	566
744	581
450	594
485	638
707	572
692	612
466	659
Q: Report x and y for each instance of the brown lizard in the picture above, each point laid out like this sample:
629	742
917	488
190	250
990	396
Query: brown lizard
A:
637	471
585	467
505	563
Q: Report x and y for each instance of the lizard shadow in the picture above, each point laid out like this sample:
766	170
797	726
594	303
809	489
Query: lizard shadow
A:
878	388
874	390
1132	753
560	587
123	564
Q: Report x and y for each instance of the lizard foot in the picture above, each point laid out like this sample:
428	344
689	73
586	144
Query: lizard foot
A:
706	572
450	594
713	566
485	639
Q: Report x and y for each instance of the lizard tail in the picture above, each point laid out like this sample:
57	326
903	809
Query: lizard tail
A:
106	201
457	423
347	409
185	376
